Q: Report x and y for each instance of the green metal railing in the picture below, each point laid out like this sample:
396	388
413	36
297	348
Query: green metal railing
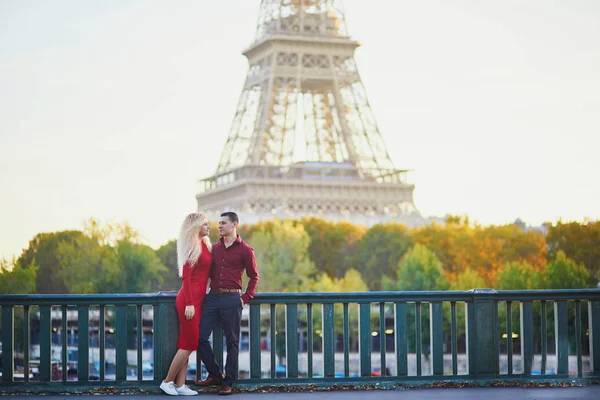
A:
324	338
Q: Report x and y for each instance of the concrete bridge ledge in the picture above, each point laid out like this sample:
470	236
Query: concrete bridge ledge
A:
298	387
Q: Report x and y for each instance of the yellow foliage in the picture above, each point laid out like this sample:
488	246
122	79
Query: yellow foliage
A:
351	282
461	246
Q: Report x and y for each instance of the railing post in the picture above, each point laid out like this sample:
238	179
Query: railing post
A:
168	326
254	341
26	341
364	341
328	342
527	336
436	340
83	343
102	334
346	342
594	324
482	334
310	345
273	337
291	340
121	342
561	334
7	343
45	343
140	340
401	339
418	338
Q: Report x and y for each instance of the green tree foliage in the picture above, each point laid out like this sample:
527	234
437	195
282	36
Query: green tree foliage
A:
282	257
379	252
15	279
43	253
295	254
141	271
103	259
167	253
334	245
518	276
420	269
580	242
86	266
564	273
469	279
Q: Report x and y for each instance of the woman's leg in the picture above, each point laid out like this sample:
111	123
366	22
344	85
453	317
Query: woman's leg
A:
180	377
179	361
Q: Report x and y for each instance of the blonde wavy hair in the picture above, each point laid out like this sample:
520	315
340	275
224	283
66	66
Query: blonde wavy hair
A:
188	245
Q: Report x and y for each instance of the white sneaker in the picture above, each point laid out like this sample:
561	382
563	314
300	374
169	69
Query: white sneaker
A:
185	391
169	388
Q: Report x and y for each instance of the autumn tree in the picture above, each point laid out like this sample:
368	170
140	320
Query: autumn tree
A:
450	244
351	282
524	246
282	256
333	245
580	242
379	252
494	246
461	245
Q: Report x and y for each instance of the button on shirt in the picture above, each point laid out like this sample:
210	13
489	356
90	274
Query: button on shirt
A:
229	264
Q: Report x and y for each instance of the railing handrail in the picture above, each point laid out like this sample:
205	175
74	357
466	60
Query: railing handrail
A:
84	299
424	296
310	297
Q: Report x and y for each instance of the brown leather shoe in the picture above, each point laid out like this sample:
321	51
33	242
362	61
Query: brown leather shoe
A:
210	381
224	390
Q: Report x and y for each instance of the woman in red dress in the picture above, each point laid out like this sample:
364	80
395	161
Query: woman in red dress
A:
193	260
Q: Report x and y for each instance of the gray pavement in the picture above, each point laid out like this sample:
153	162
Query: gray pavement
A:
587	392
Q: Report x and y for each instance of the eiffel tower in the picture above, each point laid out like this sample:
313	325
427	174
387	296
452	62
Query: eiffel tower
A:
304	141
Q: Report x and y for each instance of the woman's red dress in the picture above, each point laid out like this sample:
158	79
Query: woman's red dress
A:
192	292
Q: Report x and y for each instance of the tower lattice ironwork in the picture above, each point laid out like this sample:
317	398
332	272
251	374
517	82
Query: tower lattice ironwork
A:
304	140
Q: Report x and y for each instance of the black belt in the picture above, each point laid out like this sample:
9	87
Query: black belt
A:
224	290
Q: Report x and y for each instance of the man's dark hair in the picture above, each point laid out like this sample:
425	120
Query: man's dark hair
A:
233	217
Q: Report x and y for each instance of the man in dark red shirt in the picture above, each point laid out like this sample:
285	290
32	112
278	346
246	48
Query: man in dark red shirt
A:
231	257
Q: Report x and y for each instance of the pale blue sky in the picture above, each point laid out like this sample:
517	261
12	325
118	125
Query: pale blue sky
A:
113	109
